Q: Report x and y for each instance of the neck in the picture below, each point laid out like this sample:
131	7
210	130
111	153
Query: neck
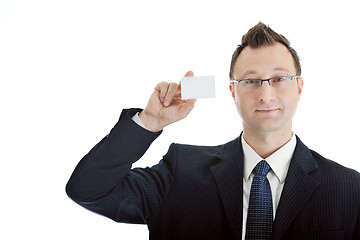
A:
266	143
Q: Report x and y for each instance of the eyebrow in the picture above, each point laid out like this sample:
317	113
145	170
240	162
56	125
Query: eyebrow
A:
281	69
252	72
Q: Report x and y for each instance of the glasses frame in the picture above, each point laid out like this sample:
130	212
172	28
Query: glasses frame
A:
264	80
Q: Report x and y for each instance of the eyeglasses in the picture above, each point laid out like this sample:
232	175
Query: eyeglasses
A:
281	82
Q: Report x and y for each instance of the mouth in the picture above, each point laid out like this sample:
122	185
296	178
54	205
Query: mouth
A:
267	111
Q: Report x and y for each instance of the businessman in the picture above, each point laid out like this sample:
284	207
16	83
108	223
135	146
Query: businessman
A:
265	184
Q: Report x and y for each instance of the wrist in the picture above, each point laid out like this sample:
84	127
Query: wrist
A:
149	122
137	120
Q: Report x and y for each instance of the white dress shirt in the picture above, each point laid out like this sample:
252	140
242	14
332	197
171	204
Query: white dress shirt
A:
279	162
136	119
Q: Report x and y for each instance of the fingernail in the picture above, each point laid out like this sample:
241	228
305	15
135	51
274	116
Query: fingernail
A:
166	103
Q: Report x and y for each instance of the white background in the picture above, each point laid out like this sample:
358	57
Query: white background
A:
68	68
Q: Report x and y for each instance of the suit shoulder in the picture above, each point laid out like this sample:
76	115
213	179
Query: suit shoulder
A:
335	168
196	149
206	149
202	154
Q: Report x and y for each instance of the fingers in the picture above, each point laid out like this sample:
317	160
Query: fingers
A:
162	89
167	91
172	88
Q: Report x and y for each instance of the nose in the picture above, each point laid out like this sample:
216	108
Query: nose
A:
265	92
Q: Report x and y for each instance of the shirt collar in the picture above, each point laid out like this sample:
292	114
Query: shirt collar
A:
279	161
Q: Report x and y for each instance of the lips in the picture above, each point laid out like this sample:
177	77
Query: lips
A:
267	110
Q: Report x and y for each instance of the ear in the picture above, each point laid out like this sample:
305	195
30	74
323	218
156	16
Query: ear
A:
300	85
232	90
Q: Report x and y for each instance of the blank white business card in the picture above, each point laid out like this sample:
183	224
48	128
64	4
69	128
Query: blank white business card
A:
198	87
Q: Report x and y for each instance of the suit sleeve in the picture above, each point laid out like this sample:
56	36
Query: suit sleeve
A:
103	181
357	227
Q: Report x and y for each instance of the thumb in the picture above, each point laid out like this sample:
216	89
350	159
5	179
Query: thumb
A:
186	108
189	74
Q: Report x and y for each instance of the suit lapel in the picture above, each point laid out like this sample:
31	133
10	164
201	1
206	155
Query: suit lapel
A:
229	178
298	188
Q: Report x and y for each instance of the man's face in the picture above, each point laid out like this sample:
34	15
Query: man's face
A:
266	109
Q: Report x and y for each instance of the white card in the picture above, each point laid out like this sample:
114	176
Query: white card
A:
198	87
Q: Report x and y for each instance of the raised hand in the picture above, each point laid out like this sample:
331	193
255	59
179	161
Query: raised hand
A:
165	106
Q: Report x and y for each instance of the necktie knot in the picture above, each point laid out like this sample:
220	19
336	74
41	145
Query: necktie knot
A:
262	168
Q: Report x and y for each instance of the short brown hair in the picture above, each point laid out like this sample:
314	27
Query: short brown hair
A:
262	35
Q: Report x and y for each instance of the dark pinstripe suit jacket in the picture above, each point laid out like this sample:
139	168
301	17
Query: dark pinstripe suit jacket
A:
196	192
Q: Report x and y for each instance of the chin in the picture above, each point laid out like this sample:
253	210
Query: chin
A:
268	126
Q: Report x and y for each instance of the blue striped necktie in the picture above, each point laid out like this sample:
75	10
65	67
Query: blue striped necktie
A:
260	213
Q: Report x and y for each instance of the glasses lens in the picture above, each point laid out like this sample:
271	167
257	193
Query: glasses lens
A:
280	82
250	84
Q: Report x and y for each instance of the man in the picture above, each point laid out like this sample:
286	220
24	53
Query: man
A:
265	184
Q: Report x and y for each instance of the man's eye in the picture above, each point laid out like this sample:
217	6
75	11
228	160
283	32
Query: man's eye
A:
279	79
251	81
